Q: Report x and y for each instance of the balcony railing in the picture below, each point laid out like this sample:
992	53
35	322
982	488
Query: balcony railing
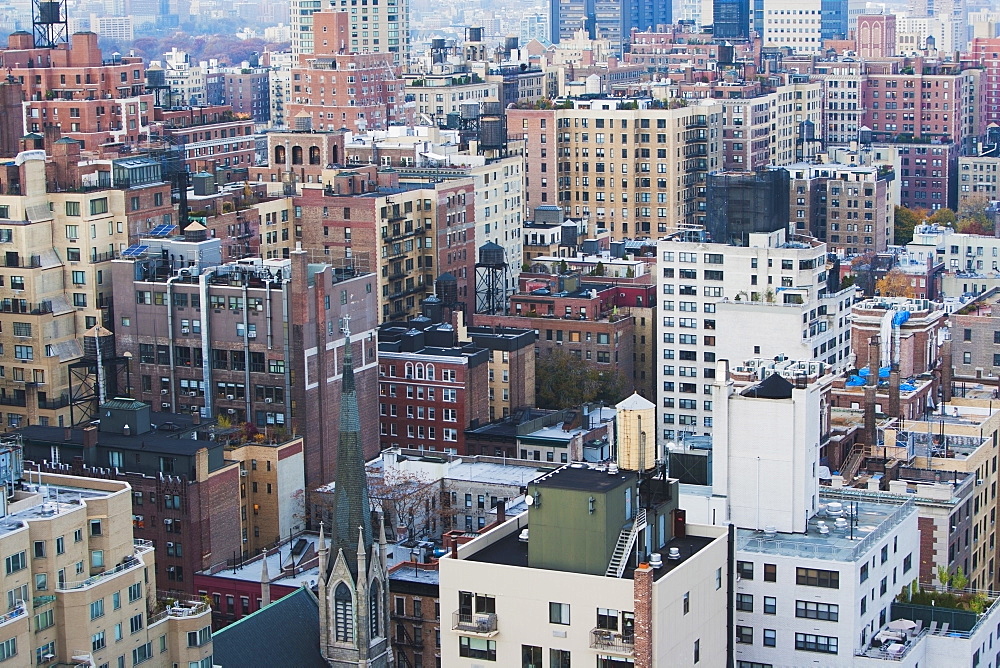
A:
606	640
24	262
18	611
477	622
130	562
22	306
178	608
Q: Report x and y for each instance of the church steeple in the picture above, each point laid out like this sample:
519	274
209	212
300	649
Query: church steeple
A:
352	509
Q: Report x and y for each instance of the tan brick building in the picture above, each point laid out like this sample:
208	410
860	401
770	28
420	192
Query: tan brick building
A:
635	169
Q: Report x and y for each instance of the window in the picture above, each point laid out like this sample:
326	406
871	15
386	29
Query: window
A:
770	637
559	658
142	653
907	562
770	572
531	656
744	569
39	549
744	602
812	610
44	620
95	528
44	654
607	619
135	623
813	577
199	637
343	613
744	635
477	648
97	608
16	562
72	209
8	648
98	206
97	558
135	592
864	572
814	643
559	613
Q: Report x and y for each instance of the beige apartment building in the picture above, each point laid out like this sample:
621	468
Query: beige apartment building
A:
55	249
635	169
80	590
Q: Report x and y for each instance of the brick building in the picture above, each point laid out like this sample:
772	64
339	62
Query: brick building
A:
876	36
986	53
213	137
413	234
299	157
227	339
430	388
671	150
71	86
334	86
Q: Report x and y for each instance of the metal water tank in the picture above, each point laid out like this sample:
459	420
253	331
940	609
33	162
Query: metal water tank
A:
492	255
98	337
447	289
203	184
469	110
491	132
568	234
156	77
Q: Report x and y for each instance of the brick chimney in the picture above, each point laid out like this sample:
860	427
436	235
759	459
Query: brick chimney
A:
90	445
642	593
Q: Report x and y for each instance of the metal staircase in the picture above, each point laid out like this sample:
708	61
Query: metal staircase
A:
623	548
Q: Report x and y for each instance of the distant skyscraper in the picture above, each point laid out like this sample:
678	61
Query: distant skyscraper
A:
606	19
731	19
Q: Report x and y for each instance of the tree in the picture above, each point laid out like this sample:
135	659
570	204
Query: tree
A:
972	215
894	284
944	577
904	222
942	217
959	580
407	499
563	380
599	269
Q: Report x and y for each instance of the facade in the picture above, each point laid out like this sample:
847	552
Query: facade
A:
248	92
58	240
527	587
675	150
372	31
334	86
986	52
726	302
72	87
828	200
213	338
731	19
76	570
977	176
431	388
876	36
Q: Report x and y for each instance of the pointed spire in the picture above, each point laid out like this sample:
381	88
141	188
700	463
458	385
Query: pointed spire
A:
265	582
352	509
322	549
362	548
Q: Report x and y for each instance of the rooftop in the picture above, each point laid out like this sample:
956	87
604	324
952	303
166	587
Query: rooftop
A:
867	522
511	551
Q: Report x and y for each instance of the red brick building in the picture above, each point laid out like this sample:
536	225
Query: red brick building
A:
334	88
430	389
214	137
985	52
876	36
72	87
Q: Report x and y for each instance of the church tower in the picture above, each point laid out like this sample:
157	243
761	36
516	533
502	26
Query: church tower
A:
353	577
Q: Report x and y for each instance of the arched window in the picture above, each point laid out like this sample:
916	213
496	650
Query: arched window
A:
279	155
409	370
296	155
376	620
314	155
343	613
420	372
430	372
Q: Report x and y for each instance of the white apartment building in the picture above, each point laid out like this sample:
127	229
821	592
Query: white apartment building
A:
591	573
375	28
766	299
794	23
842	108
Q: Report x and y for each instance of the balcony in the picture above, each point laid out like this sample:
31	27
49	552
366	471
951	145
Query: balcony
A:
16	612
606	640
129	563
479	623
177	608
16	260
26	307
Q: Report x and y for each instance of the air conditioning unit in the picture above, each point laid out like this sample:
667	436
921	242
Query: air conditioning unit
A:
230	397
192	394
268	400
243	473
164	391
165	404
251	335
231	411
185	330
168	521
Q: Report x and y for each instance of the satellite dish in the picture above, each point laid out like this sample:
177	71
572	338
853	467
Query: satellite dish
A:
529	500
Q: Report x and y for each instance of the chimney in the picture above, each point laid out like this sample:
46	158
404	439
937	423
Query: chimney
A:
67	433
196	418
642	594
947	371
871	388
90	445
501	512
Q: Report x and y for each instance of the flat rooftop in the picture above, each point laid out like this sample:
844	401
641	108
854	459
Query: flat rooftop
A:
49	501
503	474
511	551
584	478
868	522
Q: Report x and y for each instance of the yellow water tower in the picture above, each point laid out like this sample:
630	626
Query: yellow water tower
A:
636	434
